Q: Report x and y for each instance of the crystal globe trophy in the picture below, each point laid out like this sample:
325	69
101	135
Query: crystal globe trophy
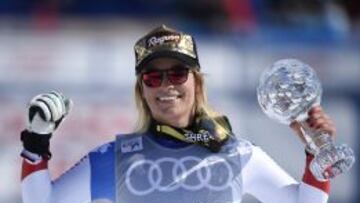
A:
286	92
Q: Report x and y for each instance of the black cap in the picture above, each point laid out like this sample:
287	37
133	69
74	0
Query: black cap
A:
165	42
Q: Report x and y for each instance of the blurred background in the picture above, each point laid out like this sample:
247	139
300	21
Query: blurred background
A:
85	50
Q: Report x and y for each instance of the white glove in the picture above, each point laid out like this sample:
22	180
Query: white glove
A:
46	111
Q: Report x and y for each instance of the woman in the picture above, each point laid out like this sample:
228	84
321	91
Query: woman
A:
182	150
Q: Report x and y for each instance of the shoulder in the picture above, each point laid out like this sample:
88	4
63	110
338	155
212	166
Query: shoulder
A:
102	166
103	154
110	147
132	140
102	157
245	149
242	146
129	142
104	148
102	160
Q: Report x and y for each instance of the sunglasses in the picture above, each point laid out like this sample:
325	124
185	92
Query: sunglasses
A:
177	75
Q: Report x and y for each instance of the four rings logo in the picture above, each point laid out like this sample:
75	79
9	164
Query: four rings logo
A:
169	174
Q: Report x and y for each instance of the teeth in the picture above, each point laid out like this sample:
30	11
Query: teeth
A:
167	98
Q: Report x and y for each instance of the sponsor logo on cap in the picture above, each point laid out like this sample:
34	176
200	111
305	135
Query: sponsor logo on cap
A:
156	41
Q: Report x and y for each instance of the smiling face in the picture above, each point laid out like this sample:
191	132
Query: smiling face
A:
170	104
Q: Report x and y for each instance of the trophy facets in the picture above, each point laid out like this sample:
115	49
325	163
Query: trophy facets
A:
288	89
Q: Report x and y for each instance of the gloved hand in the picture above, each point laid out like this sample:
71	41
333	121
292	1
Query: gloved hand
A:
45	113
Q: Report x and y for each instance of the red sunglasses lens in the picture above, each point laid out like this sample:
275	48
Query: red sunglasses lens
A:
178	76
152	79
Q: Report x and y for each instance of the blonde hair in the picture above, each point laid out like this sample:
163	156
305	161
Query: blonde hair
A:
201	104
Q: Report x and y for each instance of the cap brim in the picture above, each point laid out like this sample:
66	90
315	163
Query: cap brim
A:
170	54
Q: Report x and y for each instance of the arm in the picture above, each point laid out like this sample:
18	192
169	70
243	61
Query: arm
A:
72	186
45	113
265	180
91	178
35	182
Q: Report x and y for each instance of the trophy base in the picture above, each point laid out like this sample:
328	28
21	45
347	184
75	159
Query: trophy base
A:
331	162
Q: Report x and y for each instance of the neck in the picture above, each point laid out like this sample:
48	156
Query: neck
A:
178	121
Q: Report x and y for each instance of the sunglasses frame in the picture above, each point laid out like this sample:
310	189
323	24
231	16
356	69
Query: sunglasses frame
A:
165	73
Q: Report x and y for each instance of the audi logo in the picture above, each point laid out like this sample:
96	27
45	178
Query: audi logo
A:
169	174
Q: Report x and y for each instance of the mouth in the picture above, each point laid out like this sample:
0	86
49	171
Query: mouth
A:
168	98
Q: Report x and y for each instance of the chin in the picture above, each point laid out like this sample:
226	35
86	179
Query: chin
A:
171	114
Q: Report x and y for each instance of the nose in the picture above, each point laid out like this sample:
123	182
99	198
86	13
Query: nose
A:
165	80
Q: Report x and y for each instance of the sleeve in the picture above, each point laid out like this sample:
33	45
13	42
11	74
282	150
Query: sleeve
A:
269	183
72	186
